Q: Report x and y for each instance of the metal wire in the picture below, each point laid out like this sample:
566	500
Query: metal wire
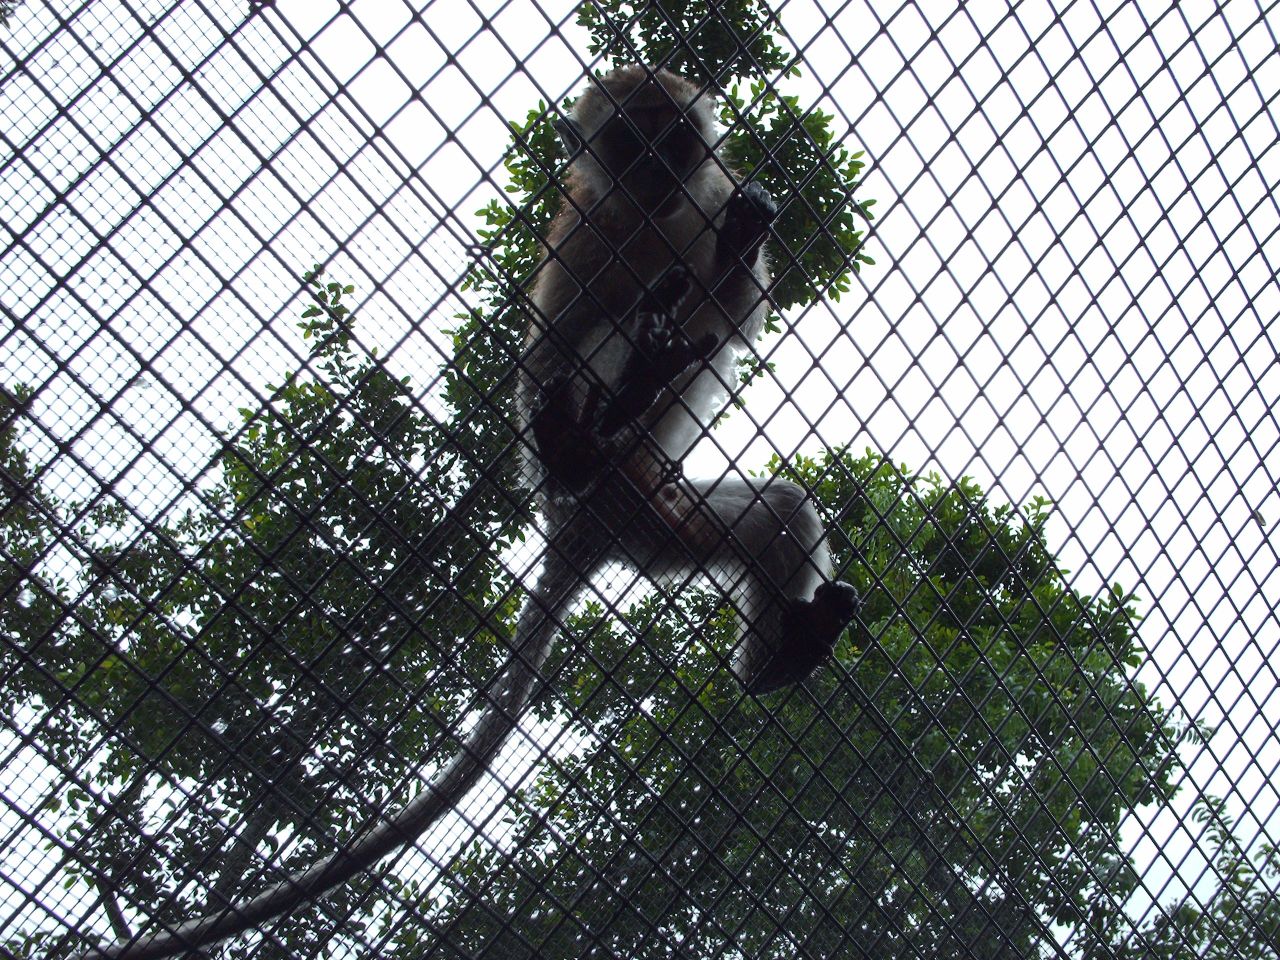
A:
262	536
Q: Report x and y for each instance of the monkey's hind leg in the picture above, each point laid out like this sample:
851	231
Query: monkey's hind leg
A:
790	615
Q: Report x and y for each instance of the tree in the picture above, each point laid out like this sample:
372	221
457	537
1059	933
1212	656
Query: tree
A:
952	789
7	10
272	662
956	785
275	657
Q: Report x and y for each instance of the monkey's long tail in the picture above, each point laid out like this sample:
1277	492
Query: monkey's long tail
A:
535	631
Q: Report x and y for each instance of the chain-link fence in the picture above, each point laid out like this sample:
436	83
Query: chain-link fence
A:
265	272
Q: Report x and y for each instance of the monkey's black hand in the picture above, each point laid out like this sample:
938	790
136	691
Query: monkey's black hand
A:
655	327
568	449
648	377
660	353
747	217
670	291
809	633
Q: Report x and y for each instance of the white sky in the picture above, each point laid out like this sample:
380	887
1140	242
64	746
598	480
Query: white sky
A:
1075	293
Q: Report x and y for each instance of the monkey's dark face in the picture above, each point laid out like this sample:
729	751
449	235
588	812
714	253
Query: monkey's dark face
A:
650	150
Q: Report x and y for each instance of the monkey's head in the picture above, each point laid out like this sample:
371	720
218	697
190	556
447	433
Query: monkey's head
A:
645	131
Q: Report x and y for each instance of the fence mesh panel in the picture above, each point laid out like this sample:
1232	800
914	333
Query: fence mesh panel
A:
263	539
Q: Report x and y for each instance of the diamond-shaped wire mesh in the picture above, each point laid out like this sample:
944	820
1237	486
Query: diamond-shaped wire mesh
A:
263	541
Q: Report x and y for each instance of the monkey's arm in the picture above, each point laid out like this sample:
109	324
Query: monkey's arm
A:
650	370
568	448
576	443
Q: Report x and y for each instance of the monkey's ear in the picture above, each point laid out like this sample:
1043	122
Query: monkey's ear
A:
570	135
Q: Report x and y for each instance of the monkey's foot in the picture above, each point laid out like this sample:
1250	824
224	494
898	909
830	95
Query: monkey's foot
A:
810	629
747	217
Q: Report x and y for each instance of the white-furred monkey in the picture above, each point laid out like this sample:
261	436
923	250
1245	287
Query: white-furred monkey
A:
652	285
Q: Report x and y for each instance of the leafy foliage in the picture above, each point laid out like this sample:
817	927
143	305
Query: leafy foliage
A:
277	656
819	231
7	10
288	648
1239	920
954	783
705	41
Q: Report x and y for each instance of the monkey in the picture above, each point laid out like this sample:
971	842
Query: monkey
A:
653	282
659	231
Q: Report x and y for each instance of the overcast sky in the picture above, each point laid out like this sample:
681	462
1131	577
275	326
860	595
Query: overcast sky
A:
1075	293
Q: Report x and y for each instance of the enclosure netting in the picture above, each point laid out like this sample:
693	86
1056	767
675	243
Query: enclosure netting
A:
262	542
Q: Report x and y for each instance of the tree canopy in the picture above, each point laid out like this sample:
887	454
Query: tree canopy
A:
240	684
